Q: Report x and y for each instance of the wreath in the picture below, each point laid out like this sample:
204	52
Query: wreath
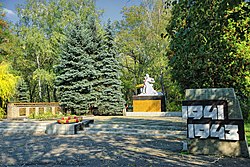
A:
69	119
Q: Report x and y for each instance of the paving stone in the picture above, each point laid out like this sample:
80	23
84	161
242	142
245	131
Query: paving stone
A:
104	150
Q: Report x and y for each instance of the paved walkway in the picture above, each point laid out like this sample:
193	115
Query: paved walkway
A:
102	150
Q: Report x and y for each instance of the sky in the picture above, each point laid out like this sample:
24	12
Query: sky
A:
112	8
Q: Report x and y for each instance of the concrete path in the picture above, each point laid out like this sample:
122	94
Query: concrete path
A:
103	150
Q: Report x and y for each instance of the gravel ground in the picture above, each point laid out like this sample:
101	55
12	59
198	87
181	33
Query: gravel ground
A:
95	151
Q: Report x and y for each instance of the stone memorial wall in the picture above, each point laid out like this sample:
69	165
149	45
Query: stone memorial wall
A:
214	122
23	110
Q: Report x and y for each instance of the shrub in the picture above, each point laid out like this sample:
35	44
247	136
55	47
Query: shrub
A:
2	113
45	116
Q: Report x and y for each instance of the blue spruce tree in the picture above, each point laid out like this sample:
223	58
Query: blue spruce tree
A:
110	100
76	71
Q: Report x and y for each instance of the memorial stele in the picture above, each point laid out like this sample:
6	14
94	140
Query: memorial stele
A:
214	122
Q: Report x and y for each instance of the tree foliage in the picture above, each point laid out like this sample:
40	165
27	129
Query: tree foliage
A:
210	44
41	31
45	38
8	40
142	45
8	80
237	33
4	34
76	71
22	93
8	83
88	75
111	100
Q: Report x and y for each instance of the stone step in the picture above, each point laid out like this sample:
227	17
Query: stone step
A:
130	126
146	123
125	133
154	127
24	123
174	128
143	131
13	127
23	127
21	131
17	127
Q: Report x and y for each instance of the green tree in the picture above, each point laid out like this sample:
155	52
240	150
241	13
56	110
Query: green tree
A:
142	45
36	57
76	71
209	45
22	92
4	35
237	34
8	50
8	40
8	83
110	101
41	30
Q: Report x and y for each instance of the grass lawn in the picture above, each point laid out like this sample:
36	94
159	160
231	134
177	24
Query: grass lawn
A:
247	131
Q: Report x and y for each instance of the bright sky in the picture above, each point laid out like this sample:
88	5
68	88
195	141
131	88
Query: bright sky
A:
112	8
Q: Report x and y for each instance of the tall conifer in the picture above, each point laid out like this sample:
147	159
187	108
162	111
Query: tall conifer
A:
111	101
76	71
22	90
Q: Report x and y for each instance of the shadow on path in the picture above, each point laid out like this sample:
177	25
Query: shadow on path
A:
102	150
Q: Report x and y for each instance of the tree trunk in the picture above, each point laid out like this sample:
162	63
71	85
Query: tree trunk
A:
39	80
48	92
54	95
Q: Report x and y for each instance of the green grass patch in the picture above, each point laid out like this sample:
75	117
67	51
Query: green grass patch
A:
247	131
184	152
46	116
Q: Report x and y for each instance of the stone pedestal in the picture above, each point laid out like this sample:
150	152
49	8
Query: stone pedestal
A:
214	122
62	129
67	129
149	104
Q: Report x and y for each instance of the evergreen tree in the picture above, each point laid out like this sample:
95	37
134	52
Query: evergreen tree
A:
23	94
40	32
76	71
111	101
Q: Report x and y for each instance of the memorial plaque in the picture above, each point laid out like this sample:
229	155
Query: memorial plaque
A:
22	112
148	104
41	110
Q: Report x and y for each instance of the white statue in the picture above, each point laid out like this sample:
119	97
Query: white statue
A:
148	86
